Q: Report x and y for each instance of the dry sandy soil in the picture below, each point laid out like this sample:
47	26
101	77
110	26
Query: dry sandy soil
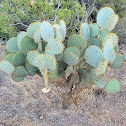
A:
24	104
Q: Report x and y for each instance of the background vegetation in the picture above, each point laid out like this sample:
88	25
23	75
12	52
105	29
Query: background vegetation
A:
16	15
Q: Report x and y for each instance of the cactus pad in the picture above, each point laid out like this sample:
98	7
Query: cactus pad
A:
103	34
32	28
84	64
45	61
48	51
94	29
117	63
103	16
89	80
47	31
78	42
116	48
19	38
54	73
113	37
32	70
125	56
18	59
31	56
95	41
19	74
112	86
59	56
111	22
101	68
27	44
37	36
100	81
63	28
93	56
70	59
12	45
108	51
56	46
9	58
56	26
68	71
85	31
7	67
73	50
58	34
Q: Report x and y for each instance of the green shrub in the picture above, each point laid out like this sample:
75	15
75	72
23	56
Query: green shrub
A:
16	15
83	60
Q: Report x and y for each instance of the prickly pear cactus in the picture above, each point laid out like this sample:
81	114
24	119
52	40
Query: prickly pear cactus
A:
82	60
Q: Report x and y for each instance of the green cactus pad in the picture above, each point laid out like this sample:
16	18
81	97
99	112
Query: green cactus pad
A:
19	38
94	29
7	67
31	56
45	61
63	28
58	34
84	64
116	48
47	31
19	74
111	22
82	83
68	71
48	51
100	81
37	36
85	31
9	58
103	34
125	56
93	56
32	28
18	59
32	70
108	51
73	50
40	47
95	41
77	41
27	44
56	26
89	81
101	68
56	46
103	16
82	71
112	86
118	62
17	79
70	58
53	74
12	45
59	57
113	37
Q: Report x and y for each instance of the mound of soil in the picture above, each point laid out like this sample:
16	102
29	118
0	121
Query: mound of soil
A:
24	104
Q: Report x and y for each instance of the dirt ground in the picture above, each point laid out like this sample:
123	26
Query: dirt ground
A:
24	104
